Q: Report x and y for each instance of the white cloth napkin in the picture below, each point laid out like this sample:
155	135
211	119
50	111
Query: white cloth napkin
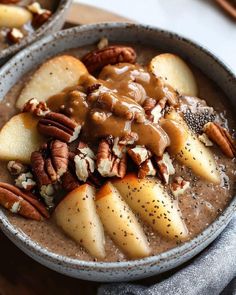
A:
212	272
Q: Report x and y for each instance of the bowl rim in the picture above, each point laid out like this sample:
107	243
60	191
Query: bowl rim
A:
62	6
25	242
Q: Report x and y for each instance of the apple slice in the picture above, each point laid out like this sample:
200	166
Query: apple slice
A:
76	215
148	198
175	72
188	149
120	222
52	77
12	16
19	138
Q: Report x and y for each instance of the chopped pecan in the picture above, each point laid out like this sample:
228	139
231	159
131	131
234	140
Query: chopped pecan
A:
221	137
154	109
15	168
139	154
108	164
36	8
84	162
69	181
25	181
165	167
118	148
102	43
179	186
25	204
205	139
129	138
59	126
97	59
15	35
35	107
40	19
146	169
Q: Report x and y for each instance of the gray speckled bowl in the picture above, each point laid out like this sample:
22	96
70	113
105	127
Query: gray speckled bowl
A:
53	25
117	32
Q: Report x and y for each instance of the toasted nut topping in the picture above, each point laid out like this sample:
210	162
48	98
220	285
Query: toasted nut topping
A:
48	165
205	139
165	166
84	162
154	109
69	181
97	59
108	164
35	107
16	168
59	126
25	181
17	201
221	137
139	154
102	43
146	169
36	8
15	35
179	186
40	19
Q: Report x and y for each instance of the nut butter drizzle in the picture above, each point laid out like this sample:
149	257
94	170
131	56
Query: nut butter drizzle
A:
113	105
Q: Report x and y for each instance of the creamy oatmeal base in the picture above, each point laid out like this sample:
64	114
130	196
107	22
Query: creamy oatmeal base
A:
200	204
26	29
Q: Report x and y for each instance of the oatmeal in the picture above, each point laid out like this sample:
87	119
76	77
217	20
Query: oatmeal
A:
21	18
127	160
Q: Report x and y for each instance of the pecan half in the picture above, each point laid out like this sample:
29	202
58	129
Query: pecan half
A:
15	168
39	109
84	162
146	169
165	167
179	186
97	59
108	164
59	126
25	204
221	137
139	154
48	165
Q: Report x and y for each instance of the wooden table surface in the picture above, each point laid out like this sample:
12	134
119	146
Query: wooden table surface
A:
19	274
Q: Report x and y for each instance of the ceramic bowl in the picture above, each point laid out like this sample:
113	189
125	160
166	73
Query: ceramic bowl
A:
117	32
53	25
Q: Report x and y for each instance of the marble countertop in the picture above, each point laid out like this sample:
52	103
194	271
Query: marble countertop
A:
200	20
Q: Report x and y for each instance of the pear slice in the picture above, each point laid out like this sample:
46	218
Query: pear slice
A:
148	198
19	138
175	72
188	149
76	215
52	77
120	222
12	16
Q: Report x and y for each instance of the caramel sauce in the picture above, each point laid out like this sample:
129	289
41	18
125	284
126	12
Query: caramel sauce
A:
112	111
